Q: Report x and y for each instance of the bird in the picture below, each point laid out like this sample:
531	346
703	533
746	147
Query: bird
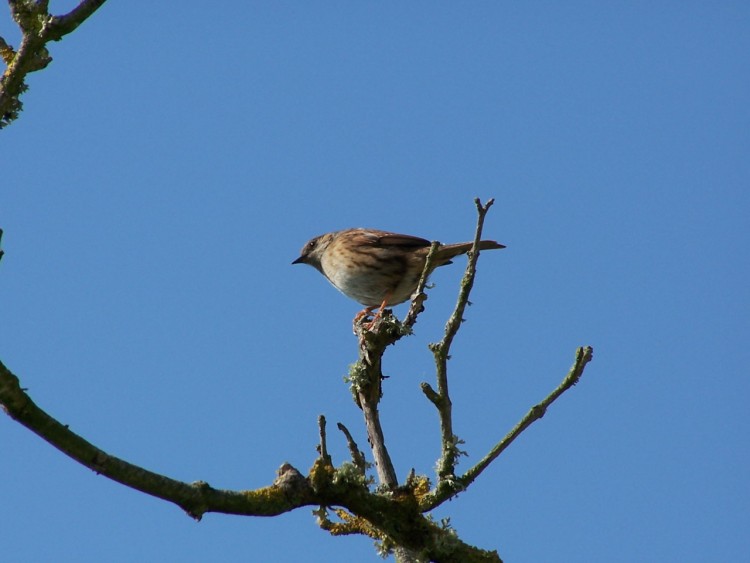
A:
378	268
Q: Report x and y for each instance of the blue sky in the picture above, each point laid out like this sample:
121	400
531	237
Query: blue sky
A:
171	162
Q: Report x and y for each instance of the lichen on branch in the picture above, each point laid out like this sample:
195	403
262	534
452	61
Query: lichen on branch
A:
38	27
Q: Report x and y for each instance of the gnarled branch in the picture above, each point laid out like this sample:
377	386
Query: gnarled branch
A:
395	516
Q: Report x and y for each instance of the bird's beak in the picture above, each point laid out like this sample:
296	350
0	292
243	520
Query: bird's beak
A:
300	260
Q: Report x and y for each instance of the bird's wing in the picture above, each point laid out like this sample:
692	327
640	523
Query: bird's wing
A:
394	239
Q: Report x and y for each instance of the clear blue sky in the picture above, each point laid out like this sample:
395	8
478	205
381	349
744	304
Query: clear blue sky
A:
173	159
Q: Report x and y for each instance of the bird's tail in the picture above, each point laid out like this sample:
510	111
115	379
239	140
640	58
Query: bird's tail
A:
450	251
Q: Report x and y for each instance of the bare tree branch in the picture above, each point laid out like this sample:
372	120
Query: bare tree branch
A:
434	498
417	300
358	458
395	517
323	447
583	357
67	23
38	27
365	377
441	352
196	498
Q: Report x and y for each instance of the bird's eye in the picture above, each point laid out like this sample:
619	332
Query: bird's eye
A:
311	245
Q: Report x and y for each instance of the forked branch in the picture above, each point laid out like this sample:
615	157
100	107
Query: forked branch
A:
393	517
38	27
441	494
394	514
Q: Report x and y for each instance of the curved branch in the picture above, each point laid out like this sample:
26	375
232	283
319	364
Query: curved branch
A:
195	498
395	515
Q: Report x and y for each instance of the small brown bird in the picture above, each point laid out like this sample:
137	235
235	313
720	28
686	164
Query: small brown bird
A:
377	268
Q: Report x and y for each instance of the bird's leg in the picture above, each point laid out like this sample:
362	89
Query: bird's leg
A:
379	313
368	311
363	313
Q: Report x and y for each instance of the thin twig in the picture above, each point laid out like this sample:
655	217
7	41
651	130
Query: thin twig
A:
441	352
419	296
583	357
322	446
358	458
467	283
